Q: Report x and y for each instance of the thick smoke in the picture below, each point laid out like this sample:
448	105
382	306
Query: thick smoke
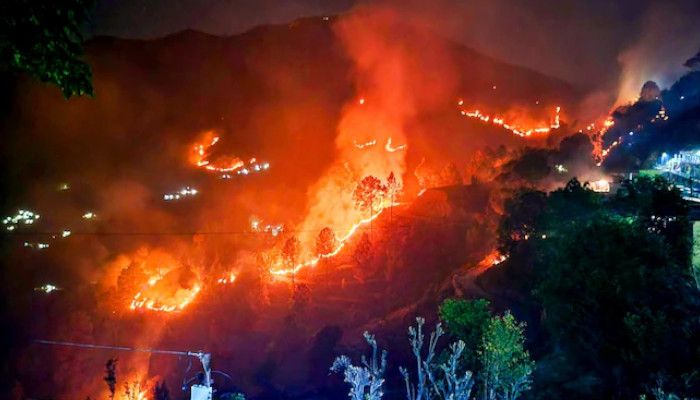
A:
670	34
399	71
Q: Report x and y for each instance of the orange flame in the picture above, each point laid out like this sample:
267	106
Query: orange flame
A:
201	153
514	129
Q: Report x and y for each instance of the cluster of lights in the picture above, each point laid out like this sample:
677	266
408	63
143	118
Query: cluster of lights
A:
89	215
182	193
560	168
37	245
253	167
516	130
47	288
659	224
23	217
660	116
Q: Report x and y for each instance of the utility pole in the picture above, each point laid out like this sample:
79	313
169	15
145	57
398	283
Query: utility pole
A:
201	391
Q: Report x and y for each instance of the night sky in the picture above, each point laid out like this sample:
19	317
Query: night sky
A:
581	41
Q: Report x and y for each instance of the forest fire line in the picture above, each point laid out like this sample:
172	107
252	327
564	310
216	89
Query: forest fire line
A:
141	301
510	126
200	157
280	271
201	154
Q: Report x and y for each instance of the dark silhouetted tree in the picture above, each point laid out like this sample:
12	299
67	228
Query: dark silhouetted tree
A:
161	392
367	193
111	376
290	254
325	242
45	40
363	257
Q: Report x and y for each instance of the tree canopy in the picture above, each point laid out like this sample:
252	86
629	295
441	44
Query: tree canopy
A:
45	40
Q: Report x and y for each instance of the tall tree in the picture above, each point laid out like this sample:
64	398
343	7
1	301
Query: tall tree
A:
367	193
111	376
325	242
290	255
466	320
507	367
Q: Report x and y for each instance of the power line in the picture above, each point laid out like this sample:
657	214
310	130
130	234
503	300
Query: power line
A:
120	348
437	220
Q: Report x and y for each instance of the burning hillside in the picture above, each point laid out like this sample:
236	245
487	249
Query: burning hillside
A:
261	194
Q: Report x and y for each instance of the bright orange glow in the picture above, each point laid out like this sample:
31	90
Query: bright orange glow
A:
511	126
340	244
201	153
228	279
160	281
158	303
369	143
392	149
492	259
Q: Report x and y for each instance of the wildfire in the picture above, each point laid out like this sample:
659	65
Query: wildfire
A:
135	391
181	301
340	244
492	259
391	149
514	129
201	153
365	144
160	281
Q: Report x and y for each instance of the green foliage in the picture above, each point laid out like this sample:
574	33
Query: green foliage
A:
612	278
44	39
466	321
506	365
